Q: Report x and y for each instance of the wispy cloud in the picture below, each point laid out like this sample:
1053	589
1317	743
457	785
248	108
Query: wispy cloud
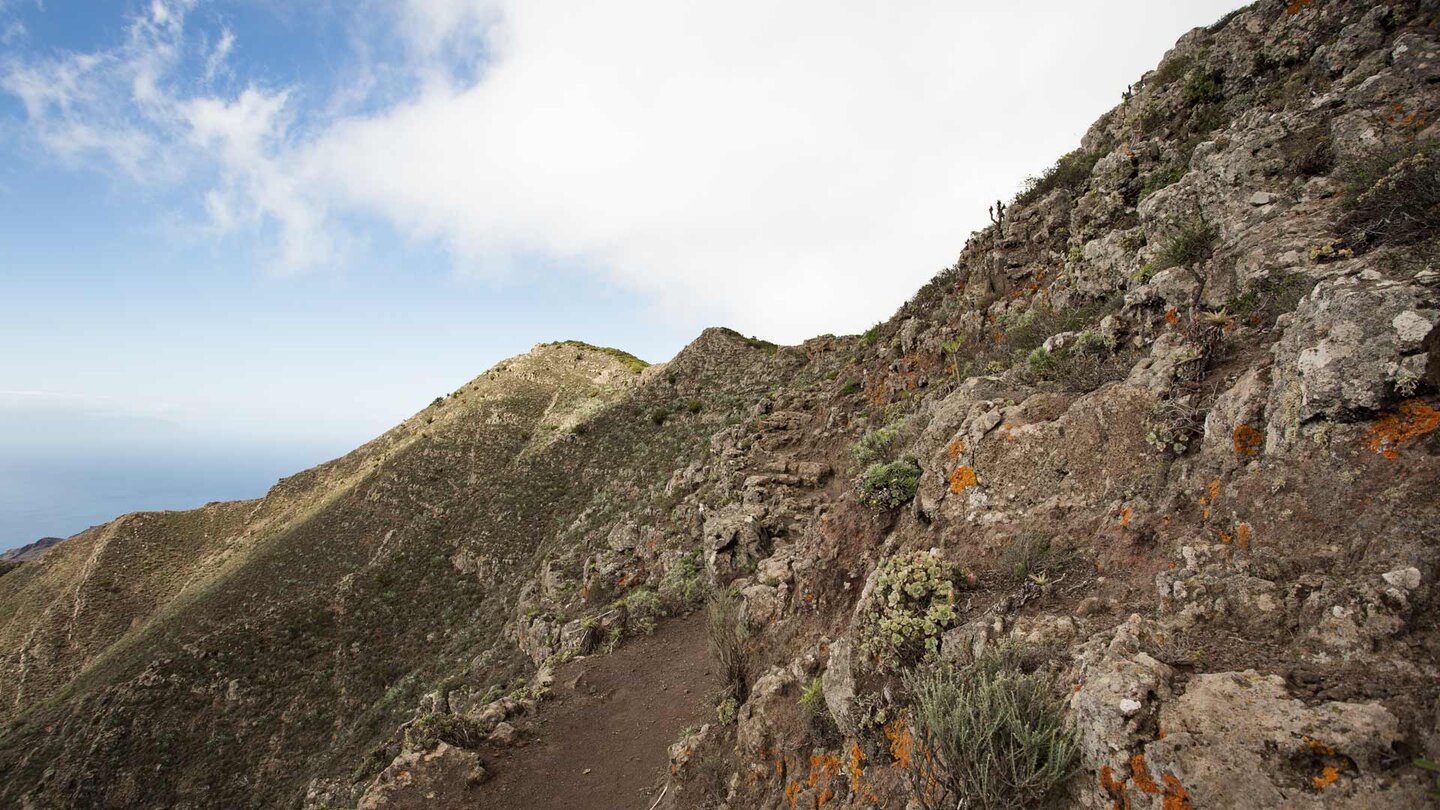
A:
790	168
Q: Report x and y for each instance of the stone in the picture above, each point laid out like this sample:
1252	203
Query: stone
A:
838	686
444	777
504	735
1407	578
1262	198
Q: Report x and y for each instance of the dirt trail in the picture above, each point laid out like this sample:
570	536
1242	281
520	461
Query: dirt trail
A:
601	743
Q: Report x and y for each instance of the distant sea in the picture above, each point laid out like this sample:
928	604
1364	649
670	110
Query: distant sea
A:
60	493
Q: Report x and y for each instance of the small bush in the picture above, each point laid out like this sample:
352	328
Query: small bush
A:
1070	172
988	735
871	336
727	710
850	388
886	486
1202	87
812	697
1393	196
1192	244
875	447
1162	177
729	643
643	610
911	605
433	728
681	584
1041	362
1031	556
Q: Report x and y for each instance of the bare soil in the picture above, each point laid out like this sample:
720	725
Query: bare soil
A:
601	742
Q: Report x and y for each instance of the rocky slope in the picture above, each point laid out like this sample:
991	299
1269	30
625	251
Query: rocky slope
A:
30	551
1168	427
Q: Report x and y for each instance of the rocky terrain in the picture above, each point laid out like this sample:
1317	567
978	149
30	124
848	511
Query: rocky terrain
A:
1149	479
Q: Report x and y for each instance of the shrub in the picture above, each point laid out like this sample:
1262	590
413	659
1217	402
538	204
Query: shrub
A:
812	697
1041	362
727	710
1192	244
1202	87
433	728
1086	364
871	336
875	447
1393	196
988	735
1162	177
1070	172
886	486
643	609
911	605
1031	556
729	643
681	584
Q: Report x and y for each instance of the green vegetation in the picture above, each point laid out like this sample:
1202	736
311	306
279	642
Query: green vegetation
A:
1393	196
682	585
727	710
1070	172
729	643
630	361
871	336
1265	299
886	486
643	610
1192	244
433	728
1202	87
1086	363
1033	557
875	447
1162	177
911	605
991	735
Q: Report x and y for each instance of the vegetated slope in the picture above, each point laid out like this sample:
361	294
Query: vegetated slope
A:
30	551
1161	448
222	656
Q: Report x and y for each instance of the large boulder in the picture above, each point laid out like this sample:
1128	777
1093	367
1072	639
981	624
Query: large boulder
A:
426	780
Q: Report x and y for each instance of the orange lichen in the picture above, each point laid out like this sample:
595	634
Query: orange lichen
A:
792	792
1225	537
1247	440
1140	775
955	449
1327	777
962	479
1114	788
1214	489
1296	5
902	745
1176	796
1125	515
1242	535
1318	747
857	769
1172	316
1414	419
823	767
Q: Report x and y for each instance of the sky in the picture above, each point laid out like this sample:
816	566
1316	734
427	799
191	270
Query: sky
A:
235	227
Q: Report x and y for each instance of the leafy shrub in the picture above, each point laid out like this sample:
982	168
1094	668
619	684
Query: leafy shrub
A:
812	697
1393	196
1084	365
871	336
875	447
988	735
886	486
911	605
433	728
850	388
729	643
1070	172
1041	362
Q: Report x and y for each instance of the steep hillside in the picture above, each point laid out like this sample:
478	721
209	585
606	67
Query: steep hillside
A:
1150	477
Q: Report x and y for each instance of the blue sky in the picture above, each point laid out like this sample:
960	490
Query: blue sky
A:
262	224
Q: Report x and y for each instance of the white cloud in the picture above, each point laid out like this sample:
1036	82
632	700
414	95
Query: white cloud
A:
787	168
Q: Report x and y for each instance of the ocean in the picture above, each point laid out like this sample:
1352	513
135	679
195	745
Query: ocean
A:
59	493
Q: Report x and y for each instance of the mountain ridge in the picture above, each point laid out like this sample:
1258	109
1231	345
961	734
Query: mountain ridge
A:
1169	424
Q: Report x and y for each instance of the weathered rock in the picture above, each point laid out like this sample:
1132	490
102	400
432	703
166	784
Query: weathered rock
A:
425	780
